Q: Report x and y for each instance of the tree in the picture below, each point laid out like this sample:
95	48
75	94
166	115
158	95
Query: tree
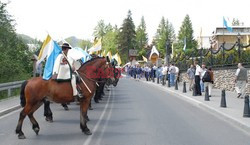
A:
141	38
85	43
15	63
165	32
186	32
126	37
109	41
100	29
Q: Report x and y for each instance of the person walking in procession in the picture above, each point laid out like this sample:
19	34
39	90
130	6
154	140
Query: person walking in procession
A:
197	78
208	80
172	74
203	70
190	74
241	81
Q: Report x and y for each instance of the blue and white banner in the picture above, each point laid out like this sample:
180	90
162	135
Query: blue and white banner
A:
230	29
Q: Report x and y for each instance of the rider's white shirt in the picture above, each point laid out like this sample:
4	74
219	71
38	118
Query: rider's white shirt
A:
63	71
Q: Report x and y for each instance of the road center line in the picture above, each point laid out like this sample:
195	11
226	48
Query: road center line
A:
107	120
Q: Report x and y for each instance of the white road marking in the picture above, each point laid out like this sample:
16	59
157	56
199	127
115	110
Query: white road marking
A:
106	122
13	112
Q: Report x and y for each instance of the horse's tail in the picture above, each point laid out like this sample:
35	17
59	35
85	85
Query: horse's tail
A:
22	94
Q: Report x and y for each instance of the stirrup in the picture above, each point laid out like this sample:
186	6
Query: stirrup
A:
79	95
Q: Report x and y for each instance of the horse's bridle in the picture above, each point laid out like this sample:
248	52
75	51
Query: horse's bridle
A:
96	81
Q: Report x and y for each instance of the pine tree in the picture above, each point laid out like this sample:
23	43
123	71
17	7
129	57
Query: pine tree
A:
165	32
141	37
186	32
100	29
127	37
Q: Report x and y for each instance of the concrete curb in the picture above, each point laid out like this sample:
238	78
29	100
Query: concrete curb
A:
11	109
205	107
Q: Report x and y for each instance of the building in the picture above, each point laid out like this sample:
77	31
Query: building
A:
204	42
154	55
221	35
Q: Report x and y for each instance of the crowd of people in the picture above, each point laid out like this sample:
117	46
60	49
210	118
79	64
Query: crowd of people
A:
199	78
163	72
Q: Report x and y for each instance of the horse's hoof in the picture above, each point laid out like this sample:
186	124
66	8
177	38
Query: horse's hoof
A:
49	119
87	119
87	132
66	108
36	130
21	136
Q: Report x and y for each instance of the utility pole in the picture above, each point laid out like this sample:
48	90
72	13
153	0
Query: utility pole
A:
239	53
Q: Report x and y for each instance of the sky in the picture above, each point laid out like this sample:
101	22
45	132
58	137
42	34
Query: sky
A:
64	18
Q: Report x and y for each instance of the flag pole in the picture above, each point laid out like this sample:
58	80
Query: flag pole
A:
223	53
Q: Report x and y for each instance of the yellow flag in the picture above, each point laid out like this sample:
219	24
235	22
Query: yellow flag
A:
103	53
97	46
45	46
144	59
118	59
109	55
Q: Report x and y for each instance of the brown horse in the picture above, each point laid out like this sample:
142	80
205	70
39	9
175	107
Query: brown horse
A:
36	90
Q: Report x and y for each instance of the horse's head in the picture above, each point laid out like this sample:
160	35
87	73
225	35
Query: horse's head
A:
110	72
98	68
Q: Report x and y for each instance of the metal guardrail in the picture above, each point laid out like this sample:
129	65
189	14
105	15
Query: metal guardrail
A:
9	86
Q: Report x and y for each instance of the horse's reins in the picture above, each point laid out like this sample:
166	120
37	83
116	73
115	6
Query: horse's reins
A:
92	79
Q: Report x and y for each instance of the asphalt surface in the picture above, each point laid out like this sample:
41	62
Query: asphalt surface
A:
133	113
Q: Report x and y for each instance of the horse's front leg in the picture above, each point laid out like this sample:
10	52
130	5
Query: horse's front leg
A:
84	105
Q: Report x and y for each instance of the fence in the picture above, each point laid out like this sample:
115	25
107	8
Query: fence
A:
10	86
222	57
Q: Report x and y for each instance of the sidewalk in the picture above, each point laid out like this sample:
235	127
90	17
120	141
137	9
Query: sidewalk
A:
232	114
8	105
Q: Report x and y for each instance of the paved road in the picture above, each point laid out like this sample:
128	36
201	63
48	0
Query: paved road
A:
133	113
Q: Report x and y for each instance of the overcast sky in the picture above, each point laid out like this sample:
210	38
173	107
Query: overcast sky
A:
64	18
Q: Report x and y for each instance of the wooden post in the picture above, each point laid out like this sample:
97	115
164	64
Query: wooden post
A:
9	92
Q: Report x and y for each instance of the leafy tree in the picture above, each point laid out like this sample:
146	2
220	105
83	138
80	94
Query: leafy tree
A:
141	38
85	43
126	37
109	41
186	32
15	63
165	32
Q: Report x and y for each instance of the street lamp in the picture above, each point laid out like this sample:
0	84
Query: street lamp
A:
167	52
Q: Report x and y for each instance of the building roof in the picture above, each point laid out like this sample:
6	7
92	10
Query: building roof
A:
242	30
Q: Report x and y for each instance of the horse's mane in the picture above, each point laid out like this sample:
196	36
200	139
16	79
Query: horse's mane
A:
87	62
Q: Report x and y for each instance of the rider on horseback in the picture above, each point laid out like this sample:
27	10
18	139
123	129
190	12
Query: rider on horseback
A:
63	68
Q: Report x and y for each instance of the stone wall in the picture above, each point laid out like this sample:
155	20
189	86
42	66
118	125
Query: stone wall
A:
224	79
